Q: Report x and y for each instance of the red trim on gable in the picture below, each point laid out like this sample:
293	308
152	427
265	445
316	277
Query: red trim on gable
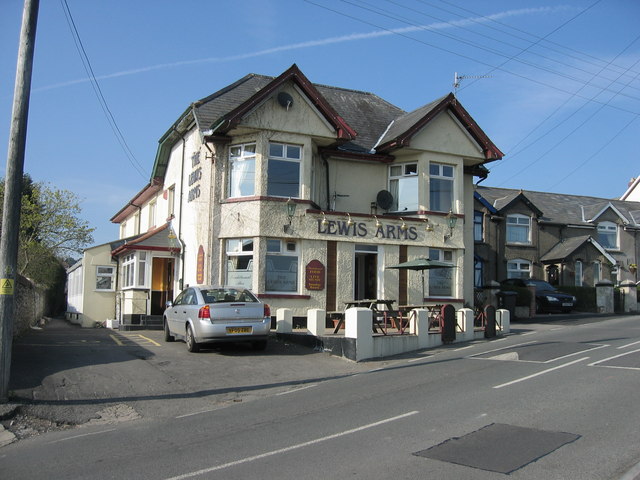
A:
234	117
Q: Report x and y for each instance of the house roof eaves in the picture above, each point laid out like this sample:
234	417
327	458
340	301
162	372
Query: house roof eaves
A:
149	190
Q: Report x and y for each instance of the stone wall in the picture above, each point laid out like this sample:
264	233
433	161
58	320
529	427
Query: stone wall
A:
30	305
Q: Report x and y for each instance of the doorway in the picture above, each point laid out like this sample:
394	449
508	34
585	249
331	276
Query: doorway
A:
161	284
365	272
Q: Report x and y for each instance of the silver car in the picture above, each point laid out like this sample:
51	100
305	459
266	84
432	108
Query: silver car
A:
207	314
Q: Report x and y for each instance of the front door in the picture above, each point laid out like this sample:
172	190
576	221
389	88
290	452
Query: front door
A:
161	284
366	272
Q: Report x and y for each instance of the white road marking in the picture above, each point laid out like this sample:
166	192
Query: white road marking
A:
614	357
297	389
290	448
628	345
540	373
83	435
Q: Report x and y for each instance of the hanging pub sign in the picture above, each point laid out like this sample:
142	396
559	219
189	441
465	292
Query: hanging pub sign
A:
314	275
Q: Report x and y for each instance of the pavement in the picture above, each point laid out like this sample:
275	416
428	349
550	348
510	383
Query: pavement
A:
64	376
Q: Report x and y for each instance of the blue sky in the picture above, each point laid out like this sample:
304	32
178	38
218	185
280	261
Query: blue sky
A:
561	97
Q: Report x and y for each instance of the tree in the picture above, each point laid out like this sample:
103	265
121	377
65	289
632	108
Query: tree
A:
50	230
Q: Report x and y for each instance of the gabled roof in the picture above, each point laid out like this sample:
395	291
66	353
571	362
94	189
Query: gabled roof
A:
564	209
231	119
567	247
400	133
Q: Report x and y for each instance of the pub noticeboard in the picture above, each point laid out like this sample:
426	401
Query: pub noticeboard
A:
314	275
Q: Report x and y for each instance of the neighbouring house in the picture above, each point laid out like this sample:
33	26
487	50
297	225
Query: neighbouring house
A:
564	239
306	194
91	286
633	192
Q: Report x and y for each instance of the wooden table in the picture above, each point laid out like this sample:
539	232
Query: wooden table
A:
376	305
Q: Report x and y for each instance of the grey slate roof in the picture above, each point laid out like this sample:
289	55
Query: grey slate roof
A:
565	248
368	114
561	208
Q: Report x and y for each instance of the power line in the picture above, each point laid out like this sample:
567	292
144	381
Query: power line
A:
98	91
474	59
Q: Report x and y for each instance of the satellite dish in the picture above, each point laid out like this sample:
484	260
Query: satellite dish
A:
384	199
285	100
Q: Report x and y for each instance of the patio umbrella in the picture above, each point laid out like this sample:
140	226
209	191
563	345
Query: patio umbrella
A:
421	264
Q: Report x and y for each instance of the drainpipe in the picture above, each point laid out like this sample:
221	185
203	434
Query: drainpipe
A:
181	282
326	164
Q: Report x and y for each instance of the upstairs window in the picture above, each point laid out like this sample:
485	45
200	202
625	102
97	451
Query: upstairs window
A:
440	187
478	230
242	170
608	235
403	185
283	172
518	229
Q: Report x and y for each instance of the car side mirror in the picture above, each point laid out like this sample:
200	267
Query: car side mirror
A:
169	304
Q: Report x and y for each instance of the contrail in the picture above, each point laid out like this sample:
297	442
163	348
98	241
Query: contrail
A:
310	44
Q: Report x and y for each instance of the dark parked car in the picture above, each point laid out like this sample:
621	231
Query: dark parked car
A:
548	298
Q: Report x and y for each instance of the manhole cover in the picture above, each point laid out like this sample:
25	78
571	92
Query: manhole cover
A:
498	447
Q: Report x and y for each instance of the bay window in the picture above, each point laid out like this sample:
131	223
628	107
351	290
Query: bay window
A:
240	262
441	279
134	270
281	273
440	187
283	170
242	170
403	185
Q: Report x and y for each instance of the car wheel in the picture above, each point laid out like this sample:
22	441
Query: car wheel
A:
259	345
192	345
167	333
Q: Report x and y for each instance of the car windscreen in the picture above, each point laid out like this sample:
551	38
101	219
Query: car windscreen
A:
215	295
542	286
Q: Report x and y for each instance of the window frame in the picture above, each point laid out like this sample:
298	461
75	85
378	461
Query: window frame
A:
447	256
285	248
579	273
248	156
404	182
235	248
607	228
478	224
111	277
285	158
135	269
519	262
518	225
436	178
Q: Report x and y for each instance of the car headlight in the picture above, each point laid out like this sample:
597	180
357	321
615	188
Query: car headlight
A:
552	299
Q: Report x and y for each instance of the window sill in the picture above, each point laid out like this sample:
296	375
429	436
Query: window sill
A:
292	296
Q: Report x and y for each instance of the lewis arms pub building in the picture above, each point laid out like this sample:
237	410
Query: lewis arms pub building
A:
306	194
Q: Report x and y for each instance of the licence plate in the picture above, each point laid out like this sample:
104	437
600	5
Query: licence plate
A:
567	304
234	330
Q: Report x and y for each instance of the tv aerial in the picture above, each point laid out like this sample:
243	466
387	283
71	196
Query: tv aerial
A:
457	79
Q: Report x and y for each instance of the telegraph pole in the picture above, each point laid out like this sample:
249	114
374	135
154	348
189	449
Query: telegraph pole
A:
13	190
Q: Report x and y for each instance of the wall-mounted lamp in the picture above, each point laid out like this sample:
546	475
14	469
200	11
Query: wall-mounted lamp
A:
428	227
378	224
291	210
324	222
403	227
174	246
349	221
451	222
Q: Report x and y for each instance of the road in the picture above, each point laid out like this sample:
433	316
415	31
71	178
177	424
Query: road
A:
553	401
